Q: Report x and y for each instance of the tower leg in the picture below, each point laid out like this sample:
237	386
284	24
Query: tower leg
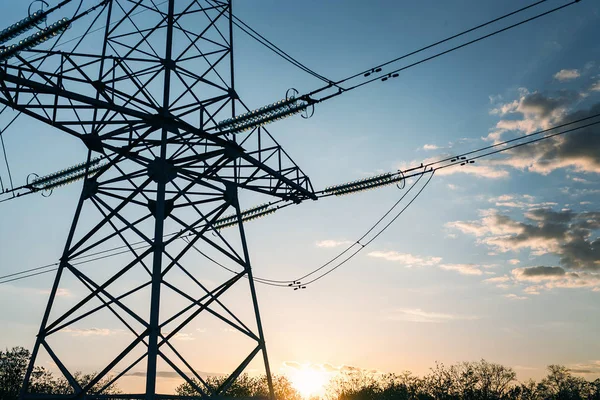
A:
259	326
63	262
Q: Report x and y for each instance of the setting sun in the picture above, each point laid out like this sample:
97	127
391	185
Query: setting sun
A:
309	381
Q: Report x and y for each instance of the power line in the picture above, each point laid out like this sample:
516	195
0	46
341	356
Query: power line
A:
323	275
426	168
295	282
248	30
266	281
283	283
412	53
395	73
265	42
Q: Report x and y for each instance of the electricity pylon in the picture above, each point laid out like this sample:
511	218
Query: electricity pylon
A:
149	103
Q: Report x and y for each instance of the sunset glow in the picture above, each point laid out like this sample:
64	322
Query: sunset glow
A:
309	381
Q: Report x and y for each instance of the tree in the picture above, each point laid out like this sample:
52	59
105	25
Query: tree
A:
560	384
13	365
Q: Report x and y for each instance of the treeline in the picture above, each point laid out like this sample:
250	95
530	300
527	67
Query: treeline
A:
463	381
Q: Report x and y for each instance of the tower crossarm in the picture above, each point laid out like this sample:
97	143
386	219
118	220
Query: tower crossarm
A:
70	101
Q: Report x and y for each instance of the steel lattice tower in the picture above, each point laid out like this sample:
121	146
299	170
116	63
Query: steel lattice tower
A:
147	98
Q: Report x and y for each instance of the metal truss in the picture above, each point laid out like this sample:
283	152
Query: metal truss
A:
149	102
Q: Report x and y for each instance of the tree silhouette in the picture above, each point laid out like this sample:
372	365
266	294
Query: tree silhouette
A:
479	380
13	364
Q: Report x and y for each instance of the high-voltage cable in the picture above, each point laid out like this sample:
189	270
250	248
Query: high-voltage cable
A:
266	114
374	69
453	161
248	30
384	76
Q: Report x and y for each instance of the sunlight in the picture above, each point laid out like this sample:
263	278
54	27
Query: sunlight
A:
308	381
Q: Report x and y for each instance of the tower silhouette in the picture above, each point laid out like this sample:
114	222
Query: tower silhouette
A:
147	95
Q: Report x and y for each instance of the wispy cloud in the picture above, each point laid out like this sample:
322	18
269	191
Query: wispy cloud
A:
592	367
333	243
408	260
463	269
567	75
484	171
431	147
519	201
92	332
513	296
184	337
418	315
498	279
325	367
61	292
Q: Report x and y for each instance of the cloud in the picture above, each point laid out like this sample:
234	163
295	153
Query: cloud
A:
547	278
326	367
595	87
580	180
576	150
333	243
463	269
514	261
592	367
532	290
418	315
483	171
536	274
431	147
513	296
564	233
92	332
292	364
61	292
452	187
408	260
537	111
567	75
184	337
518	201
498	279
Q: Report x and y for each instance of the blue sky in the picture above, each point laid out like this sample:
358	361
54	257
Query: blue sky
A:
458	276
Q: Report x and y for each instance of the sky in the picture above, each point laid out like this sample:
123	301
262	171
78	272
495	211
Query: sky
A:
499	261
